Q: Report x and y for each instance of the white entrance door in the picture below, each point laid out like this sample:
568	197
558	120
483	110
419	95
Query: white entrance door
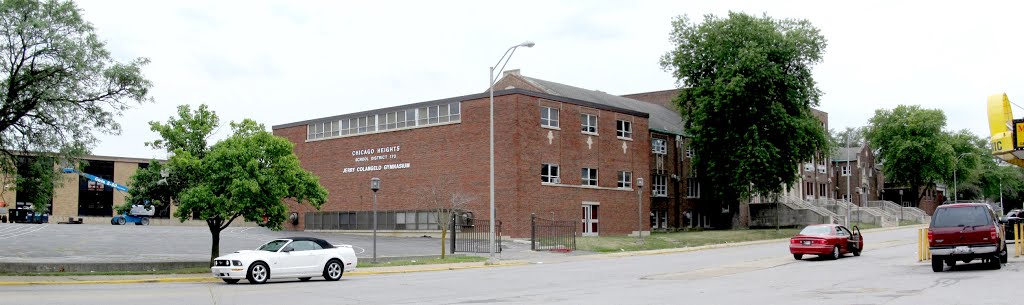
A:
590	219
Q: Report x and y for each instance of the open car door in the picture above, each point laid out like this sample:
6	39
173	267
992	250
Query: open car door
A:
857	240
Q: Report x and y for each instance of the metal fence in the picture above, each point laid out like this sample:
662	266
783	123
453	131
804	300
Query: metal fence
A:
474	236
553	235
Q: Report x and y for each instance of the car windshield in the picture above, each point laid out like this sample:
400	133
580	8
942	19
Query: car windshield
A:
961	217
816	230
273	246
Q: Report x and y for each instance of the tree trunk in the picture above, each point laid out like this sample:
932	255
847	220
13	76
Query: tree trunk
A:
215	238
444	232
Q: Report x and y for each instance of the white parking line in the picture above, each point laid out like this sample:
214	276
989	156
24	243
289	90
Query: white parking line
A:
20	232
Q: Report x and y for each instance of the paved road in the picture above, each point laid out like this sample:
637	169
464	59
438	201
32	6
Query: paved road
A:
763	274
106	243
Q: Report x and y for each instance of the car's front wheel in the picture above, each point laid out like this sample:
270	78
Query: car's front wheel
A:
333	270
258	273
231	281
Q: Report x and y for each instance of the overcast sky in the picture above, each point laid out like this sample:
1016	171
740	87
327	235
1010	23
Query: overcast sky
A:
284	61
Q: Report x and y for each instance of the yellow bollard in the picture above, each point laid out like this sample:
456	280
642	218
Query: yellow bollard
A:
923	253
919	245
920	254
1018	240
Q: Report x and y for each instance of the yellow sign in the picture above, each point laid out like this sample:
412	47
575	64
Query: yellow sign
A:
1019	134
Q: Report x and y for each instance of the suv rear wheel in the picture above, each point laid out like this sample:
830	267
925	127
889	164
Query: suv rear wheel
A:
937	264
1003	258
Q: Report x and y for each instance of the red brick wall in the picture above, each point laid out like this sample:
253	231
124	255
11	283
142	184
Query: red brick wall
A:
461	152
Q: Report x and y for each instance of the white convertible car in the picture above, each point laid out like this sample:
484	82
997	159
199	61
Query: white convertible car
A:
292	257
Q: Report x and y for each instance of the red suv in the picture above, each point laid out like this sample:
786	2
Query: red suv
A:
964	232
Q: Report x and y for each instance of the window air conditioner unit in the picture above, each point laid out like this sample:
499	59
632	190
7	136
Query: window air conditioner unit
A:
556	180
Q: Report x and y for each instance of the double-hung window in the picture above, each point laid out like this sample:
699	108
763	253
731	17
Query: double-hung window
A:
658	186
625	180
589	176
549	173
624	129
659	146
549	117
588	123
692	188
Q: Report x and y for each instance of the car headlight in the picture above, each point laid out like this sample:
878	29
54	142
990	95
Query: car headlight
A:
236	263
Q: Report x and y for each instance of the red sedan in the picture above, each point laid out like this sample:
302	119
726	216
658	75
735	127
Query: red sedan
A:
826	240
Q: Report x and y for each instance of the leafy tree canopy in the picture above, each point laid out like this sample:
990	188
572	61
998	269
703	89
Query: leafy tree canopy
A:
913	148
247	175
748	98
58	86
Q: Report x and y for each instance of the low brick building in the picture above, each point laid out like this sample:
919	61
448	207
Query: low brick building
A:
555	156
78	197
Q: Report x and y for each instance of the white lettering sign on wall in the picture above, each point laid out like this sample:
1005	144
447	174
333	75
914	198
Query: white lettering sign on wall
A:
376	154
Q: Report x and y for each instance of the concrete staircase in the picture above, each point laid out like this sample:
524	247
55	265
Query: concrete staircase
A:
908	213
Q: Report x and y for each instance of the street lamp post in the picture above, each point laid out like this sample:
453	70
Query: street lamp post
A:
375	186
902	206
490	89
640	208
954	175
849	172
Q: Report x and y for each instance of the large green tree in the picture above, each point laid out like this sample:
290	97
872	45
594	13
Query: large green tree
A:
914	150
58	83
247	175
747	98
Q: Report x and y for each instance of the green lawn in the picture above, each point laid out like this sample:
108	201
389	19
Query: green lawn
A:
908	223
864	225
678	239
365	263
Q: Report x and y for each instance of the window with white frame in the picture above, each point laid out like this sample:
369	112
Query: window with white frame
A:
845	170
423	116
689	152
658	186
808	167
549	117
588	123
323	130
821	190
438	114
659	146
692	188
624	129
588	176
549	173
625	180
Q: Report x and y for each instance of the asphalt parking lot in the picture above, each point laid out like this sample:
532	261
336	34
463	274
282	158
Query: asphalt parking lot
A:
62	243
